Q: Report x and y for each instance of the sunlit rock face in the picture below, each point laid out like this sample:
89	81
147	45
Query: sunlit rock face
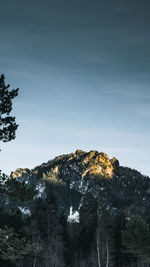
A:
25	175
98	163
91	163
80	168
76	170
20	172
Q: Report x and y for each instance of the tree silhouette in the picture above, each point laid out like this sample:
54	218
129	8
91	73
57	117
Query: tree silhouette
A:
136	239
8	125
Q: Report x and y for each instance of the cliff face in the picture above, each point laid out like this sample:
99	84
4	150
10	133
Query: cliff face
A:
78	165
21	173
90	164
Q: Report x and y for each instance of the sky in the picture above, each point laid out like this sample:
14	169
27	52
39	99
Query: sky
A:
82	68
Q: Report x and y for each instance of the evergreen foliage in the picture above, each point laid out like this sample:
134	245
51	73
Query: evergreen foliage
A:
8	125
14	242
12	247
136	239
15	189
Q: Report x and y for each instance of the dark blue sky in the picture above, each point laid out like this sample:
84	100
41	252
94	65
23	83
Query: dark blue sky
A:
83	72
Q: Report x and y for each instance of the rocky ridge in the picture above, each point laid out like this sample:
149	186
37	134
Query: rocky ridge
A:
80	163
76	174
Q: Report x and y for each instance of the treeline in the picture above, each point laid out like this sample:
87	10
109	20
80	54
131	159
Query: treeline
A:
104	237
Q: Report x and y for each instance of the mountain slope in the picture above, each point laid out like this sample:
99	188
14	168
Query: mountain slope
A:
76	174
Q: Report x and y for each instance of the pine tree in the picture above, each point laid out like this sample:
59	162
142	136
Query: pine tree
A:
13	247
136	239
119	226
8	125
88	222
47	232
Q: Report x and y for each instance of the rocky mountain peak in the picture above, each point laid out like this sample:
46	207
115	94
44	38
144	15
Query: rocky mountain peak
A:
74	169
73	176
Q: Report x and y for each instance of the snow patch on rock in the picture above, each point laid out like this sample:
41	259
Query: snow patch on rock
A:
41	189
25	211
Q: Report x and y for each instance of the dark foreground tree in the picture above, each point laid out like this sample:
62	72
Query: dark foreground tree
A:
12	247
15	243
136	239
8	125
